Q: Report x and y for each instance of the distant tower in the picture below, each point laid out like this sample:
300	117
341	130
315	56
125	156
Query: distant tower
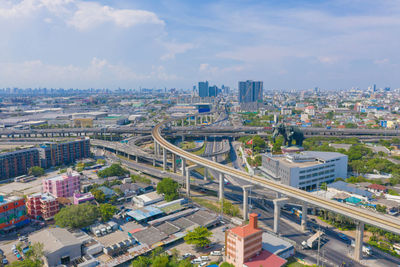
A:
203	89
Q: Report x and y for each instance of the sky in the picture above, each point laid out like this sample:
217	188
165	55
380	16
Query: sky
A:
291	44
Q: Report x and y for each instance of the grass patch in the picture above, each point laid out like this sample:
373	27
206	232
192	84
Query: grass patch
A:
188	145
201	150
229	208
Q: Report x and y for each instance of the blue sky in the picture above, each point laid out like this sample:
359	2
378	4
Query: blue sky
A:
294	44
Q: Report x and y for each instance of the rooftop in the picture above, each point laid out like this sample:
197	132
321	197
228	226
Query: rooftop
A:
248	229
265	259
144	213
343	186
56	238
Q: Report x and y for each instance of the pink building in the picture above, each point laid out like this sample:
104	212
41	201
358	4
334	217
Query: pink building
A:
64	185
82	198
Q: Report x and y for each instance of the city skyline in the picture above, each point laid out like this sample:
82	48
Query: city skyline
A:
296	44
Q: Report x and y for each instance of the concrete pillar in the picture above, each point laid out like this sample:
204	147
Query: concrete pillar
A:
188	182
183	166
205	173
183	122
137	158
155	148
221	186
164	159
246	201
195	120
277	212
304	217
201	119
359	241
154	162
174	163
183	138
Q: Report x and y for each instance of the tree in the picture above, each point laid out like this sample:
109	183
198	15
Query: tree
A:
141	261
198	237
26	263
381	208
113	170
36	251
225	264
169	188
324	186
36	171
101	162
107	211
77	216
98	195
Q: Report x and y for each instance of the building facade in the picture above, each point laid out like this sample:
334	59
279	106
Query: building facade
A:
250	91
64	185
203	89
43	206
243	242
16	163
12	213
54	154
306	170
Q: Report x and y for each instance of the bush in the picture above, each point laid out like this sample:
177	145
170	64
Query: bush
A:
77	216
36	171
113	170
169	188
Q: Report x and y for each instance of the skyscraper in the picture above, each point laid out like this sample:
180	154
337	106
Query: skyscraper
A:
203	89
213	91
250	91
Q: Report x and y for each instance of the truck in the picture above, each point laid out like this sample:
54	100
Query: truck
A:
365	249
313	240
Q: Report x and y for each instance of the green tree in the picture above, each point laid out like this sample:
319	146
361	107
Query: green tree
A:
199	237
381	208
113	170
107	211
324	186
141	261
169	188
77	216
26	263
98	195
160	261
225	264
101	161
36	171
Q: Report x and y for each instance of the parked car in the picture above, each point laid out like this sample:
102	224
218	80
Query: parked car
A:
216	253
343	237
196	261
186	255
203	264
204	258
5	261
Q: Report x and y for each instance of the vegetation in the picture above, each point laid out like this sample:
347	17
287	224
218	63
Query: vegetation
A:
36	171
225	264
33	257
77	216
113	170
140	179
199	237
258	144
159	258
169	188
229	207
339	221
188	145
107	211
98	195
101	161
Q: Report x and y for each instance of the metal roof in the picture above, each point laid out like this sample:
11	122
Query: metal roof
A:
343	186
144	213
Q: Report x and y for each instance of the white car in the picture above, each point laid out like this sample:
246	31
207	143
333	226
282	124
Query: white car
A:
186	255
216	253
204	258
197	260
203	264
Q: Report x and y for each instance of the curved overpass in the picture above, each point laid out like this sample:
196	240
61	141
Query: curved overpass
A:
384	222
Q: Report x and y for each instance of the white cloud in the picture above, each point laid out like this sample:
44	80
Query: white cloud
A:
206	68
95	74
176	48
382	61
328	59
79	14
90	15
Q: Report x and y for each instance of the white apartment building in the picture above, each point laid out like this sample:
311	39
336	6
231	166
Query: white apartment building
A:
305	170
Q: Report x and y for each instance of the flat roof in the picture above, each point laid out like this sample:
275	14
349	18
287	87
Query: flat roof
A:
274	244
144	213
149	236
56	238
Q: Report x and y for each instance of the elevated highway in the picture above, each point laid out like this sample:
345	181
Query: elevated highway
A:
361	216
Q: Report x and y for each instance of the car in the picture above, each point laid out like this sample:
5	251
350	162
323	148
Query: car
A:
216	253
5	261
195	261
343	237
186	255
313	220
15	252
204	258
203	264
23	238
224	229
14	247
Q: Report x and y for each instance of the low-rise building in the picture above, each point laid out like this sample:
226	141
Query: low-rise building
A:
147	199
43	206
80	198
12	213
59	245
305	170
340	187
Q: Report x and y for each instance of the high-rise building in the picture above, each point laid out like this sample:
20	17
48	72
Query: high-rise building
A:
16	163
12	212
203	89
53	154
213	91
250	91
